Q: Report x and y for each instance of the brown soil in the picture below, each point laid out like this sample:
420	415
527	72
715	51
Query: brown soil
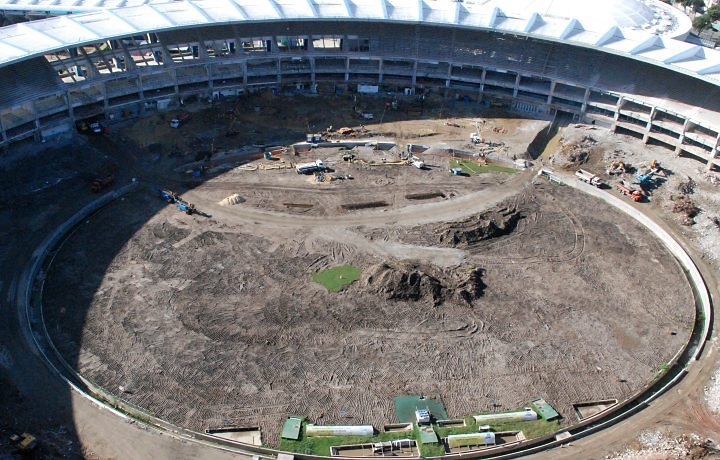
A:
207	320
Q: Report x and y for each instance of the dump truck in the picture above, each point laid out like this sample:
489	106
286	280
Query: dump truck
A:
180	119
475	138
419	164
589	178
309	168
626	189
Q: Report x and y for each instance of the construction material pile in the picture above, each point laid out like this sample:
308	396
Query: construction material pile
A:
574	153
683	205
231	200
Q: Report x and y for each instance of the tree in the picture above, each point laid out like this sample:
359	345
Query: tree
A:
697	6
701	23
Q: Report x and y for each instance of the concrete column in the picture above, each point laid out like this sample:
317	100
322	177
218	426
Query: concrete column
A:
680	141
3	134
106	102
552	92
586	98
517	85
245	73
714	154
175	80
380	71
141	90
414	73
347	69
312	68
482	80
278	72
211	85
37	121
449	72
648	125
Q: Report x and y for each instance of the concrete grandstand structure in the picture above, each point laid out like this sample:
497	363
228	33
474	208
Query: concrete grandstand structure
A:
622	69
626	70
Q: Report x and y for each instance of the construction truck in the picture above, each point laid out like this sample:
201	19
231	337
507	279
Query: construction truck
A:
180	119
96	127
309	168
475	138
616	168
627	189
105	178
313	137
419	164
589	178
24	442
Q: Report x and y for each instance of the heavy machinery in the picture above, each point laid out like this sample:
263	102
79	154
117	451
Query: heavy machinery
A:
180	119
182	205
24	442
105	178
101	183
308	168
626	188
589	178
616	168
475	138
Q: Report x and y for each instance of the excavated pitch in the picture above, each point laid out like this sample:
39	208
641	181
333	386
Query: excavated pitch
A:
203	322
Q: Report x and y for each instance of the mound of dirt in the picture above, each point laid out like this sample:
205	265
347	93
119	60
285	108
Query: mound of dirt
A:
408	281
499	222
231	200
574	153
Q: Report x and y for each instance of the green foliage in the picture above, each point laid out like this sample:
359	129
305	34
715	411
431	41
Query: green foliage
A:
473	168
532	429
336	278
320	445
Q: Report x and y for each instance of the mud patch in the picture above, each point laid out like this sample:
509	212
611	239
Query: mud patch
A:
366	205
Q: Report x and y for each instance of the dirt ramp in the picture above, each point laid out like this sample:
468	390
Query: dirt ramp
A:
414	282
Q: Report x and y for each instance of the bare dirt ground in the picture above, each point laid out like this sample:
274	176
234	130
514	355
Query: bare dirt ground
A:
204	321
210	366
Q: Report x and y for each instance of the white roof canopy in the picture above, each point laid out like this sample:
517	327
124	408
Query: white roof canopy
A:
616	26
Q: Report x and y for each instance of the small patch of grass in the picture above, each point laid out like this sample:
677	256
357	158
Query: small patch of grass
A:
531	429
320	445
473	167
336	278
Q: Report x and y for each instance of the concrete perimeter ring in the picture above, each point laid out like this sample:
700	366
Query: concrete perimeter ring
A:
36	333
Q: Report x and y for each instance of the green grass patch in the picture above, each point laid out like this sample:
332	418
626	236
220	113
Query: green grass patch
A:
320	445
432	450
531	429
336	278
473	167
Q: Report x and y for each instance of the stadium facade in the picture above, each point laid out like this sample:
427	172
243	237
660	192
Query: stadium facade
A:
625	69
